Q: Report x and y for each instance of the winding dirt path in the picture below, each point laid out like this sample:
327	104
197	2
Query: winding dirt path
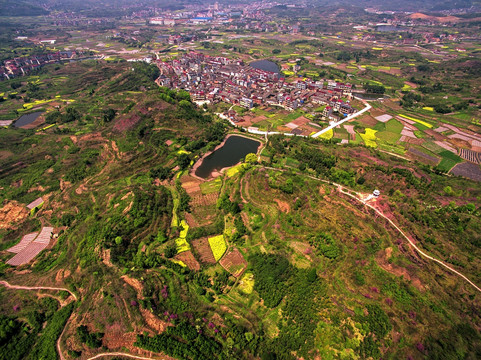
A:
420	252
98	356
20	287
350	193
59	349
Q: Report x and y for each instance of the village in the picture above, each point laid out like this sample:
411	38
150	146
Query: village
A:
21	66
219	79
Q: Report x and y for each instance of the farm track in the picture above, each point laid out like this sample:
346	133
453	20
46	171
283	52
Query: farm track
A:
59	349
350	192
20	287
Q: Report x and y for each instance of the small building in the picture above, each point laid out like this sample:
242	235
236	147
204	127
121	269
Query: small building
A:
246	102
376	193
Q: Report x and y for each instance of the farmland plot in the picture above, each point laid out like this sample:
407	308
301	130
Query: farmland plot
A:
234	262
218	246
203	250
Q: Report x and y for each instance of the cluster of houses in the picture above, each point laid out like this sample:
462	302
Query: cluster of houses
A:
23	65
215	79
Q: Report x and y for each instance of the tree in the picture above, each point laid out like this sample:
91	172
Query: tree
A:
276	51
170	251
109	114
251	158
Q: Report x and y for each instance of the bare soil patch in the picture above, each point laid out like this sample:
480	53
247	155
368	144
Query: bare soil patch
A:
203	200
12	212
283	206
116	337
234	262
203	250
188	259
4	154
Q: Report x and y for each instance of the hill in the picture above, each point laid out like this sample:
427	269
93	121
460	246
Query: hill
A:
21	8
279	257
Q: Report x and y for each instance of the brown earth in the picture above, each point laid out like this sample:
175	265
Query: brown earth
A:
234	262
116	337
303	248
192	187
136	284
152	321
411	84
442	19
188	259
367	120
4	154
12	212
283	206
202	200
191	220
203	250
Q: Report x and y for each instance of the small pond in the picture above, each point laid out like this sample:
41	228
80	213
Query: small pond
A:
265	65
234	150
368	96
27	119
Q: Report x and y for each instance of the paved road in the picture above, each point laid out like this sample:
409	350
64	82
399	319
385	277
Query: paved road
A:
350	117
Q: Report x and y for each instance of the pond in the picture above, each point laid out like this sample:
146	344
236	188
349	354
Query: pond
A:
265	65
368	96
234	149
27	119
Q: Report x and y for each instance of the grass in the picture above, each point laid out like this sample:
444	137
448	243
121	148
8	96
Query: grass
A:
428	125
211	186
181	242
369	137
394	126
388	136
433	147
234	170
448	161
446	164
218	246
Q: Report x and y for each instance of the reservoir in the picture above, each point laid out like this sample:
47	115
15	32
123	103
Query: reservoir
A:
265	65
27	119
234	150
